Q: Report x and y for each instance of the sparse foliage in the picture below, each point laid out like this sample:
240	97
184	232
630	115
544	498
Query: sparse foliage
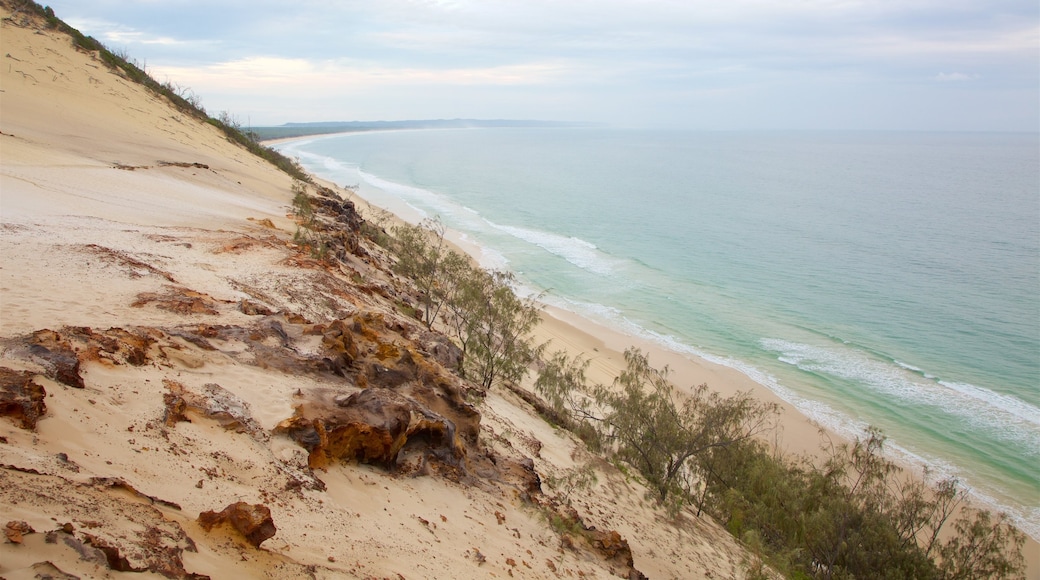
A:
853	516
662	432
497	329
562	382
421	251
980	549
478	308
578	480
308	232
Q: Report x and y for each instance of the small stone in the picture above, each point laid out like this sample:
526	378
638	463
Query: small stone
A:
253	521
15	530
21	398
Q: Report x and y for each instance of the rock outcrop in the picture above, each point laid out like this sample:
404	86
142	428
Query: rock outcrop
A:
607	544
15	531
215	403
253	521
373	426
55	354
21	398
101	525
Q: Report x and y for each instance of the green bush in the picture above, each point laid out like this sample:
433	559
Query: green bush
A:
855	515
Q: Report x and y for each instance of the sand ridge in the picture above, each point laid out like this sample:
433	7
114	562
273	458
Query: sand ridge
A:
159	256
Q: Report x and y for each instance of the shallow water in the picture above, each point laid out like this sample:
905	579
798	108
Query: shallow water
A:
886	279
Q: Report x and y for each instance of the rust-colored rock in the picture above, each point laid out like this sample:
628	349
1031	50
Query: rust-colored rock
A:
110	528
372	426
348	221
21	398
443	394
115	559
611	545
251	308
59	354
125	346
608	545
214	402
253	521
522	474
174	408
311	435
15	531
338	341
388	378
55	354
179	300
441	349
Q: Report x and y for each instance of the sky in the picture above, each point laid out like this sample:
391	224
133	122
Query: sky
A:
945	65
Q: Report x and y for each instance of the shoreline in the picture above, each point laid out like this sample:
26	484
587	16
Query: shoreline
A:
573	328
797	433
605	346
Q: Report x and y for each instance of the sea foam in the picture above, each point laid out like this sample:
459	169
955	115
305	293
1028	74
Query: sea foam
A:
1002	417
582	254
578	252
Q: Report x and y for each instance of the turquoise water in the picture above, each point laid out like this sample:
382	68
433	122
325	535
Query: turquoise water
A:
888	279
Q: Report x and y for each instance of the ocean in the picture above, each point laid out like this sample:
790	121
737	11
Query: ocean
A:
885	279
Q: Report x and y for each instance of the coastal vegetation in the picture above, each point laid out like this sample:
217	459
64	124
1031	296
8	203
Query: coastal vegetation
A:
308	233
853	514
847	512
476	307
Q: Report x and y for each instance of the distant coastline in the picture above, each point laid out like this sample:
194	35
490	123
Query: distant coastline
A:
290	130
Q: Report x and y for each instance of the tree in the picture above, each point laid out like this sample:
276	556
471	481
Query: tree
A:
457	277
561	381
478	308
497	324
421	251
661	431
980	549
853	515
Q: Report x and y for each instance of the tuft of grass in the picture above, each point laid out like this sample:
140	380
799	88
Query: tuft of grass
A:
563	525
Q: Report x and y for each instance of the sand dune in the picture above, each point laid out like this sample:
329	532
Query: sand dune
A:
148	262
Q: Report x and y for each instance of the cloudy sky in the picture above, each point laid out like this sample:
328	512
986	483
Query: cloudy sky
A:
720	64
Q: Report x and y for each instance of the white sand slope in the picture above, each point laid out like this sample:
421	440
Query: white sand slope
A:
136	232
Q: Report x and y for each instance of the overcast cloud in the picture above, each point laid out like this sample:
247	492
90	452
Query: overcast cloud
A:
736	64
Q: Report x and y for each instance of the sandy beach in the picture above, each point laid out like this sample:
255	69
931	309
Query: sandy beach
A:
151	288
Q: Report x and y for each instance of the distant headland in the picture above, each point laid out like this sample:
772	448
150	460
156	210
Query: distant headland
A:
324	127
